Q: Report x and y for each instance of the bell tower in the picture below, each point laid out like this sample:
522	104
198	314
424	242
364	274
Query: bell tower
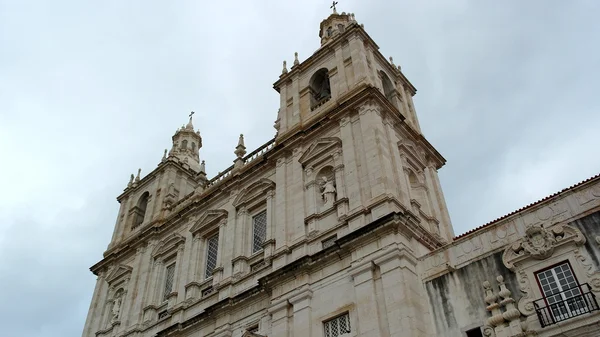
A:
348	79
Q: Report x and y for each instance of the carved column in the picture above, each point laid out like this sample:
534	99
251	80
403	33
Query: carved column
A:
280	320
280	203
239	261
283	110
269	244
192	289
432	193
350	164
302	311
342	208
311	200
297	196
218	273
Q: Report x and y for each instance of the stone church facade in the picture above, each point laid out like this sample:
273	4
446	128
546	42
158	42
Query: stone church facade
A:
338	227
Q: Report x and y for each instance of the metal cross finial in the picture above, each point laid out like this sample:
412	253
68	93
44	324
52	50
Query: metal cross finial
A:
191	113
333	6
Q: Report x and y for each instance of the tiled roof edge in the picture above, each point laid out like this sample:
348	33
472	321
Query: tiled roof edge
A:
526	207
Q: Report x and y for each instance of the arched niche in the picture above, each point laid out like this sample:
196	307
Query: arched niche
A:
319	88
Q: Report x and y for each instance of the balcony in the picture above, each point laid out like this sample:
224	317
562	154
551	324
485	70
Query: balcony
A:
566	304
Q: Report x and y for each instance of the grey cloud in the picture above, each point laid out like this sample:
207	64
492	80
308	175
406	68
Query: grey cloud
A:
89	92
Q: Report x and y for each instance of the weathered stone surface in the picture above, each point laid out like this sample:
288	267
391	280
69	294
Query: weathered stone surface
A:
337	227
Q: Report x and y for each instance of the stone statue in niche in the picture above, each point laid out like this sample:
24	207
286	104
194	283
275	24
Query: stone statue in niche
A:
328	193
116	308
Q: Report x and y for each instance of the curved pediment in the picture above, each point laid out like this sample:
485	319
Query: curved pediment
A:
167	245
207	219
254	190
319	148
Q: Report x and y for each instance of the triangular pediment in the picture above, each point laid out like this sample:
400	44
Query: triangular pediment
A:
318	148
207	218
168	244
259	187
413	156
118	272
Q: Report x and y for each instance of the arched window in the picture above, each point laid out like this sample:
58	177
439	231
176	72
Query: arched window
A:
329	31
193	147
184	145
341	28
320	90
140	210
388	87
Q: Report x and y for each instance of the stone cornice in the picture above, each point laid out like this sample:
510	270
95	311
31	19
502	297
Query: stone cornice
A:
391	222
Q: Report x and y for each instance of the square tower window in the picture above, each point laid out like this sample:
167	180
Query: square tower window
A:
337	326
259	231
212	247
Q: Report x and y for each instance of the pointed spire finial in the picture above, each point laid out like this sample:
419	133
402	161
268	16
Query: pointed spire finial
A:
164	158
137	178
392	61
130	181
203	167
284	71
240	149
296	62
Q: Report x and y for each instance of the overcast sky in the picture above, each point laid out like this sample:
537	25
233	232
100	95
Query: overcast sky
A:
92	90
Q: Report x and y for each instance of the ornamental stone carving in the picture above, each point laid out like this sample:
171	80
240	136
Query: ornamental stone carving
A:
539	243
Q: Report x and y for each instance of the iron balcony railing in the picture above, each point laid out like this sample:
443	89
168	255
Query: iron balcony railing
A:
566	304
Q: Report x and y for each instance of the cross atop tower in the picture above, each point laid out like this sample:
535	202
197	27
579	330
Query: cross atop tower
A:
333	6
191	114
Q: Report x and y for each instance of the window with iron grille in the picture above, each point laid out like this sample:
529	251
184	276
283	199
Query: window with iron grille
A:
259	231
337	326
212	246
563	296
329	242
169	278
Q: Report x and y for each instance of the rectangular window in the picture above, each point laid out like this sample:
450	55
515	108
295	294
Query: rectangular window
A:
259	231
337	326
169	278
562	292
212	247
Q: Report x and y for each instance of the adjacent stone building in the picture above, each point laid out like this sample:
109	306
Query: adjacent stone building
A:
338	227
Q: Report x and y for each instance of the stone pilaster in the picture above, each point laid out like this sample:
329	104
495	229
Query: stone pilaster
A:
350	164
269	244
302	313
404	304
280	325
366	299
297	196
342	82
342	207
218	274
280	203
91	324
